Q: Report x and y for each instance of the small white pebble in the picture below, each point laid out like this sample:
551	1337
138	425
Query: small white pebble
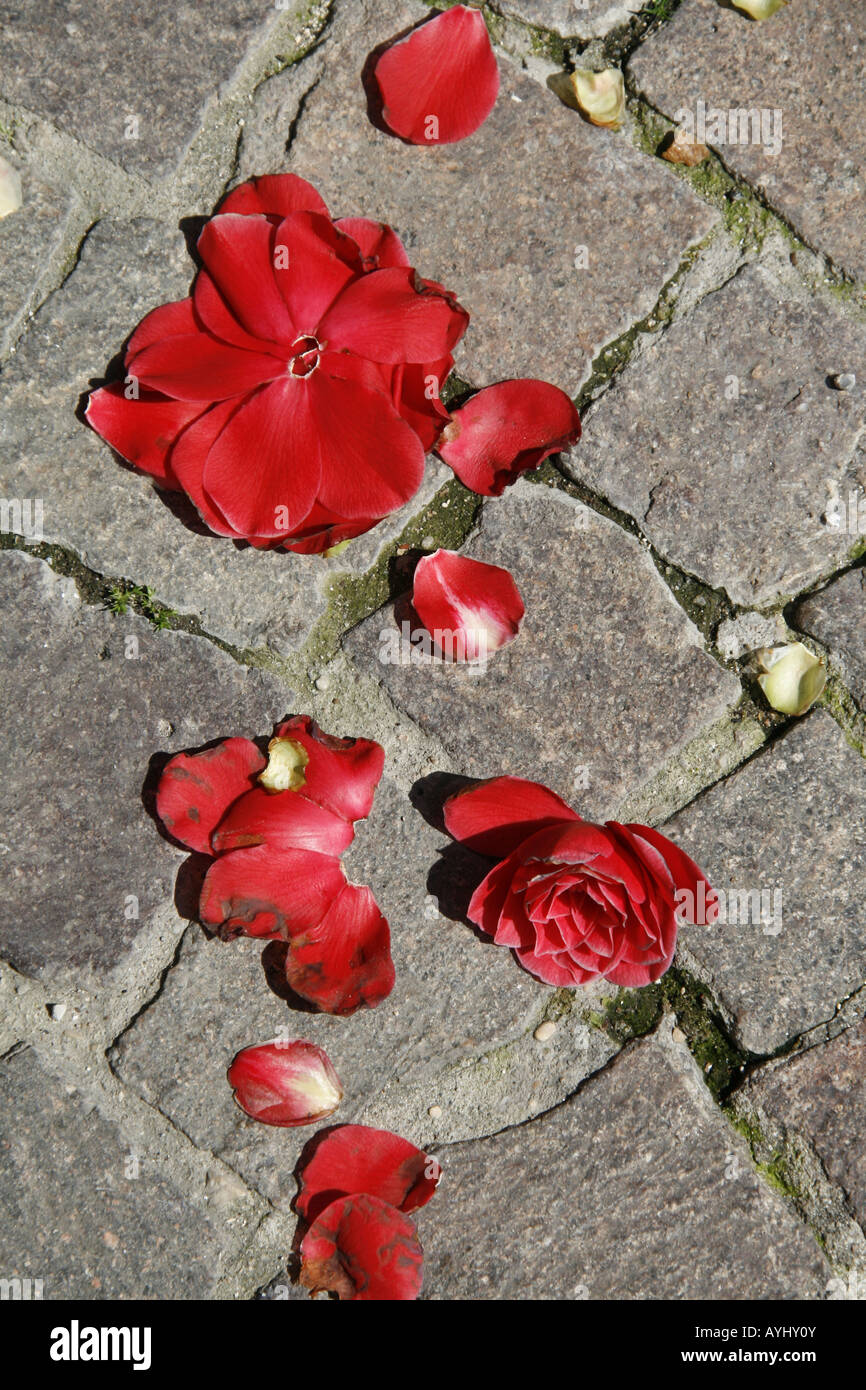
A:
678	1035
545	1031
434	1112
323	682
428	543
57	1011
708	1067
844	381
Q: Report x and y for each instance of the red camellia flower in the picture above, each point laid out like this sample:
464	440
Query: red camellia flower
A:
355	1158
440	83
469	608
285	1083
277	827
292	396
506	430
362	1248
574	900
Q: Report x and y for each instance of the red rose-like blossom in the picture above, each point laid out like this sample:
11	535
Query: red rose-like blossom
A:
285	1083
362	1248
575	901
506	430
469	608
355	1158
293	395
440	83
276	827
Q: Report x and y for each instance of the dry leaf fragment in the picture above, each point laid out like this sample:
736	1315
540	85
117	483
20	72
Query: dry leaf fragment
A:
684	150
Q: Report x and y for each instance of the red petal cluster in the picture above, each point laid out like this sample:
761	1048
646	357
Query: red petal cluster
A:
469	608
575	901
440	83
285	1083
276	847
292	396
506	430
356	1189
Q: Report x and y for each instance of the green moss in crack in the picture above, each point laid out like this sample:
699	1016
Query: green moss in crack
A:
697	1014
633	1013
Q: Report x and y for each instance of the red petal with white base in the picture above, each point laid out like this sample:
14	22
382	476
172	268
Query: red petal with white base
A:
274	195
394	316
283	820
343	963
271	893
364	1250
342	773
355	1158
285	1083
441	83
143	430
496	816
507	430
196	789
474	607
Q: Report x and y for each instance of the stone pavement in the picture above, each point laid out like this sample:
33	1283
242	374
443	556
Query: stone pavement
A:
702	1138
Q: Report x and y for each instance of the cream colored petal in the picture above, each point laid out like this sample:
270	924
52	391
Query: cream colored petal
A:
793	679
760	9
600	96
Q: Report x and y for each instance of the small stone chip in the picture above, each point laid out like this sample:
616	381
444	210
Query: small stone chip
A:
545	1031
843	381
678	1035
434	1112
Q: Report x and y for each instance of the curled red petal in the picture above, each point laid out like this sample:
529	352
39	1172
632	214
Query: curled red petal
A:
267	892
274	195
469	608
440	83
196	789
142	430
506	430
343	962
342	773
363	1249
496	816
283	820
285	1083
356	1158
394	316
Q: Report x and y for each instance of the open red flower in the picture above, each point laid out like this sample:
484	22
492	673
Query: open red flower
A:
285	1083
292	396
506	430
276	827
355	1158
362	1248
469	608
440	83
575	901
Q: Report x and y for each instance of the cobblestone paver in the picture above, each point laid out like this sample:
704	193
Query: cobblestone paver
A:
701	1139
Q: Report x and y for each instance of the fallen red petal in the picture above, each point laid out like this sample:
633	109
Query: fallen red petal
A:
469	608
143	429
285	1083
363	1249
506	430
440	83
356	1158
271	893
342	773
